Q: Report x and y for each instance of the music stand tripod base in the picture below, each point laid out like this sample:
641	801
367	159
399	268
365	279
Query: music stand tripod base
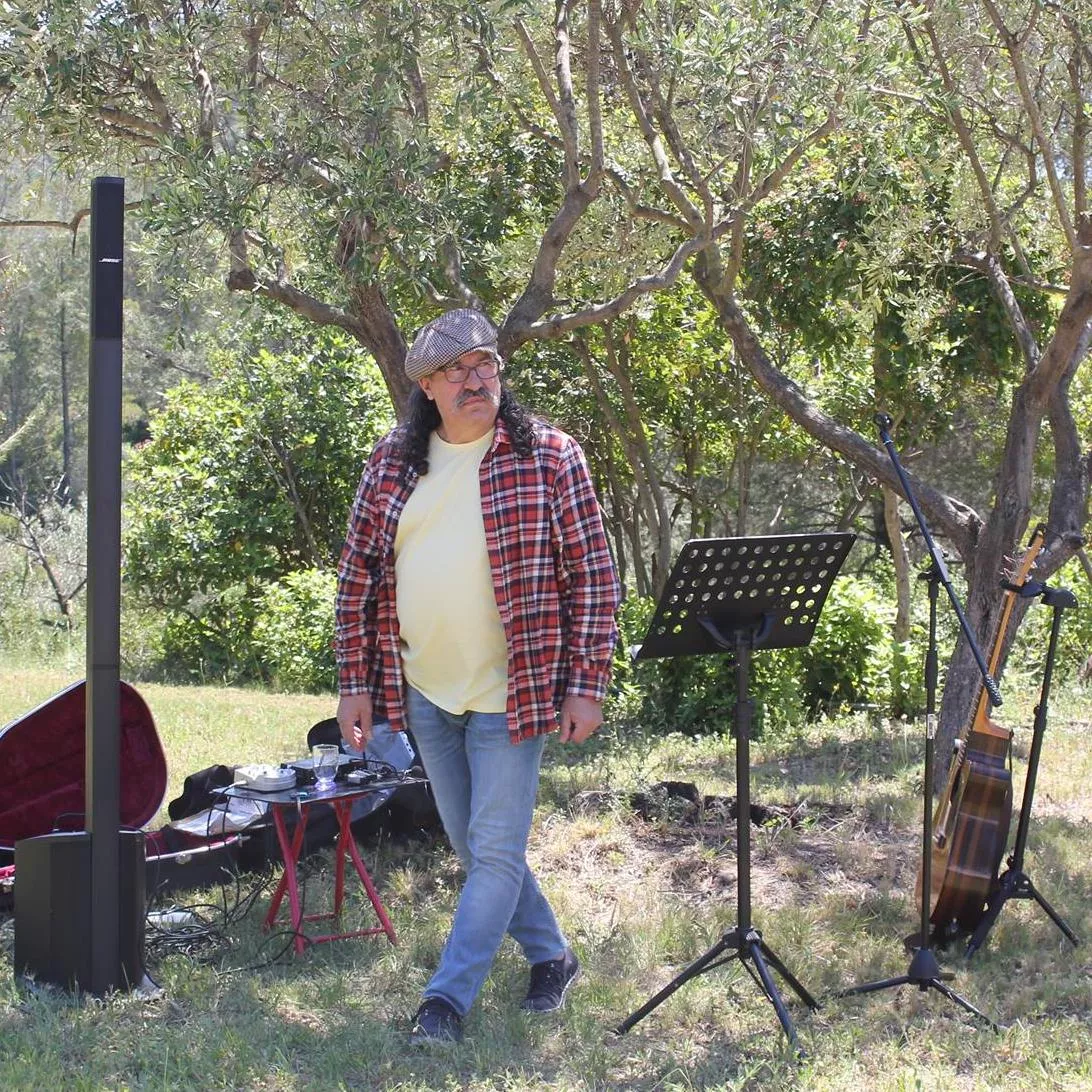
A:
735	595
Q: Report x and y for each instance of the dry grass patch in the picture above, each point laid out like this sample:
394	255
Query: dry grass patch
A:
832	891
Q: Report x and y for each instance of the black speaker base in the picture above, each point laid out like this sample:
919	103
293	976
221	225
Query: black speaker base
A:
53	926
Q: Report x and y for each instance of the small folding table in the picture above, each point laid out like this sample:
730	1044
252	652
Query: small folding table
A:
300	800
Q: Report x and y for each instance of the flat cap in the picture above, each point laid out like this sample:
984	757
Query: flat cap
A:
446	337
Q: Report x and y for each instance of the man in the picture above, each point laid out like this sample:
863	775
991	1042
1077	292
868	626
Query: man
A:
476	600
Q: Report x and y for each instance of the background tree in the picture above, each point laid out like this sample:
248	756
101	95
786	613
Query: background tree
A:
563	169
247	480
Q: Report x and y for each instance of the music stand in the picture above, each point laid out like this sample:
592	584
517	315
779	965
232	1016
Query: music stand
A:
735	595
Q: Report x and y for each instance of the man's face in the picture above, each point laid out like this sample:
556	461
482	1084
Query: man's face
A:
467	404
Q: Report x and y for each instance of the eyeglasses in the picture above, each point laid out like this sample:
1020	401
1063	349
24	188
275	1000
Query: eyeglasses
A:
487	369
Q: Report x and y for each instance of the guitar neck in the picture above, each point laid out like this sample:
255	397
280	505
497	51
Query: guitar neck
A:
980	722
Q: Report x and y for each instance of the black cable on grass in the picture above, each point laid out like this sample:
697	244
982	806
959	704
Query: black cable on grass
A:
194	939
274	960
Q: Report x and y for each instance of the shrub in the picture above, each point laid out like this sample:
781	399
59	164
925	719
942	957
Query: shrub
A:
294	631
244	481
212	641
849	661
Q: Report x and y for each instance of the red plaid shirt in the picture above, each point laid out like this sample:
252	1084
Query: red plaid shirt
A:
553	578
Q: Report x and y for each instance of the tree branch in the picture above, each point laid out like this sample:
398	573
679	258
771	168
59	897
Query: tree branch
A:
961	128
544	83
23	432
782	170
243	278
643	212
485	65
679	148
207	112
570	130
1074	69
516	331
1046	151
960	523
137	127
990	267
674	191
72	225
595	113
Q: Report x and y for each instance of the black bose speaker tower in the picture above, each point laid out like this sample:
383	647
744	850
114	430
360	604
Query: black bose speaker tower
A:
71	926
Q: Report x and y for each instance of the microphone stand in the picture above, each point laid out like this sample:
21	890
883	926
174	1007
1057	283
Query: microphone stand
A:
884	422
924	970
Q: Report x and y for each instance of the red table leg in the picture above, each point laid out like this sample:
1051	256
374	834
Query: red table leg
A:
290	851
346	842
346	847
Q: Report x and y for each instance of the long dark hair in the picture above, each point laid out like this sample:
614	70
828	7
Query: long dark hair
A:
424	419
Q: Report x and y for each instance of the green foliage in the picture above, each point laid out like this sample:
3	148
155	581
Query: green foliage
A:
907	684
851	265
294	631
42	308
848	662
1028	656
245	481
210	640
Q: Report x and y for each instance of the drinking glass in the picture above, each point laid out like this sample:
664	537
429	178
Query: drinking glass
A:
324	760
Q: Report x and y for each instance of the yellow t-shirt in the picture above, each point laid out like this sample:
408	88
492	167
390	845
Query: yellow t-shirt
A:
453	645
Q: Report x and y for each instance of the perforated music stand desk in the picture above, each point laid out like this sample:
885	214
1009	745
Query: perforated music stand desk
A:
736	595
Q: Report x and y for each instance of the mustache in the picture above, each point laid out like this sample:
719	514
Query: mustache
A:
469	396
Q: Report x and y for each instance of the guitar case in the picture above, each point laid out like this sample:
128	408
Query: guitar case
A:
43	756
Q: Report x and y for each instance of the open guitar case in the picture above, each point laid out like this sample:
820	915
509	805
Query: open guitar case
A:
42	754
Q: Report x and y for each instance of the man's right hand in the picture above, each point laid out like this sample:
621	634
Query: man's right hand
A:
354	718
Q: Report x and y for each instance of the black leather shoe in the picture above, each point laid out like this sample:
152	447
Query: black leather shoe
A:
436	1022
549	981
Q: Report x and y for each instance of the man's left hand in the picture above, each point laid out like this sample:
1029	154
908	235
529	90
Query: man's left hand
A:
579	718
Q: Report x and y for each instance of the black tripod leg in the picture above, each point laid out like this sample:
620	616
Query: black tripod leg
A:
726	942
1052	914
794	985
962	1002
879	984
993	908
1016	885
754	949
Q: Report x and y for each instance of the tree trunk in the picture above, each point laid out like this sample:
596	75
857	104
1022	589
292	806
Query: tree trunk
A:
616	520
901	559
378	331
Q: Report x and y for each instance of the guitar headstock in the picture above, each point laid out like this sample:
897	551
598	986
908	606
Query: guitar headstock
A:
1019	568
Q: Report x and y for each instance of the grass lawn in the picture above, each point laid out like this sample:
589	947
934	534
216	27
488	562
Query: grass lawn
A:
832	891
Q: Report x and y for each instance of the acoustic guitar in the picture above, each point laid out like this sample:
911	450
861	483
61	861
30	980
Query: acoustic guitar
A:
971	822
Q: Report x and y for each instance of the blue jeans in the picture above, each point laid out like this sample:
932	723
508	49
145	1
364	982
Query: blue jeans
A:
485	789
